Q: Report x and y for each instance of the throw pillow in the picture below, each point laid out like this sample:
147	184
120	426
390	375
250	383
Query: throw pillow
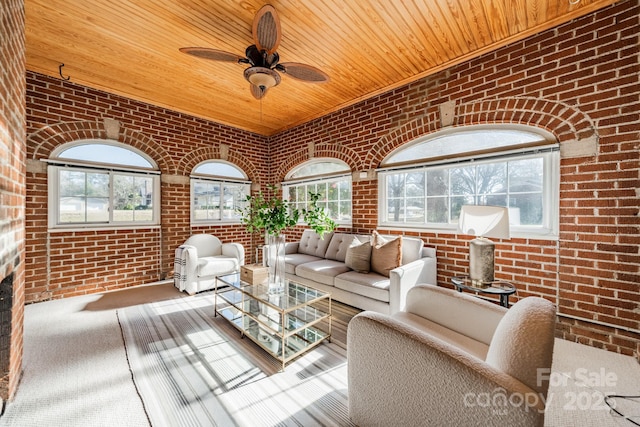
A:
358	257
385	255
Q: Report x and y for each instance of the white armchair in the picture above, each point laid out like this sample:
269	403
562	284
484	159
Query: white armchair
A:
451	359
203	257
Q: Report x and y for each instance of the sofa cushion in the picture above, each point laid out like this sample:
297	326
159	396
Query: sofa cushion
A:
216	265
323	271
338	246
523	341
291	261
359	257
411	249
385	255
370	285
312	244
471	346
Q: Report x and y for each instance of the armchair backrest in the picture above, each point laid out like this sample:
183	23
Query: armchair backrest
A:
206	244
520	339
463	313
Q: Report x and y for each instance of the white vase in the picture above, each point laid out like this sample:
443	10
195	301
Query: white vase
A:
275	262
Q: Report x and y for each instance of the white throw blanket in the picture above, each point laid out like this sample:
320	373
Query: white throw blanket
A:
186	256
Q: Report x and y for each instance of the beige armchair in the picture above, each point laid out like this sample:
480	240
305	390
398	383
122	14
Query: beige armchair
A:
451	359
203	257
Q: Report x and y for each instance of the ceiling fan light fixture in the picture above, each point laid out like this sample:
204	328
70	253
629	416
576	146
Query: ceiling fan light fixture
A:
262	77
262	57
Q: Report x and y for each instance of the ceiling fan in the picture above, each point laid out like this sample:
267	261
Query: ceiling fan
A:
262	56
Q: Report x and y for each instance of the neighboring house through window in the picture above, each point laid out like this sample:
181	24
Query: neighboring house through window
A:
219	190
423	184
331	178
96	183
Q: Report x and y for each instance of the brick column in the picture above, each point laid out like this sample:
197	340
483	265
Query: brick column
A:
12	194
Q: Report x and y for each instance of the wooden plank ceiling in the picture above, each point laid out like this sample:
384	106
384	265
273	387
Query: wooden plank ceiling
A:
366	47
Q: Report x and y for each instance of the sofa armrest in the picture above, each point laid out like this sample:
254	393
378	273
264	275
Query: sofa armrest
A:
401	375
405	277
235	250
291	247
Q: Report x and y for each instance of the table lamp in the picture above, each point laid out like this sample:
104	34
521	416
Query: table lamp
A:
483	222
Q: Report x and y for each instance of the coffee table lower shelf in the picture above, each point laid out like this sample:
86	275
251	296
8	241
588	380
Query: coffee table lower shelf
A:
295	344
284	330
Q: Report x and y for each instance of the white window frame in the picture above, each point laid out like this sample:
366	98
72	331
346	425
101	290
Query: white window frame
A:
340	178
550	186
344	175
58	164
196	178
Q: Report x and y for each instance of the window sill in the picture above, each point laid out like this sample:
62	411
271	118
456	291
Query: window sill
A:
75	229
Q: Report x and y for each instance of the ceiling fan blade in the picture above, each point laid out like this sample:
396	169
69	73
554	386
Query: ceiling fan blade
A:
303	72
213	54
258	92
266	29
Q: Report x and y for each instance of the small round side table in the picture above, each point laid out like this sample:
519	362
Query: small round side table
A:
501	288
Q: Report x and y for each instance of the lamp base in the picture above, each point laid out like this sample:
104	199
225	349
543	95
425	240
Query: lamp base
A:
481	262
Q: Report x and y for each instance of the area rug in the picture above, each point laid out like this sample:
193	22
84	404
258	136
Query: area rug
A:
192	369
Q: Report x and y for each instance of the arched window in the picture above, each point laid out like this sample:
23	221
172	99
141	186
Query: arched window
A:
97	182
331	178
423	184
219	190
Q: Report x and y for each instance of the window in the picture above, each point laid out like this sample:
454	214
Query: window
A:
429	194
330	178
102	183
218	191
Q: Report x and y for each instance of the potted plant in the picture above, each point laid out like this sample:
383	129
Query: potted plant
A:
316	217
272	216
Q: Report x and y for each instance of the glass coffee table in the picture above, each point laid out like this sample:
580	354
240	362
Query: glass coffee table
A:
286	324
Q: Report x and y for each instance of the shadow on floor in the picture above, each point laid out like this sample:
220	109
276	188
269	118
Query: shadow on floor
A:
134	296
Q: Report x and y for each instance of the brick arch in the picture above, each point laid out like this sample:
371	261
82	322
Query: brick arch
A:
399	136
323	150
564	121
189	161
42	142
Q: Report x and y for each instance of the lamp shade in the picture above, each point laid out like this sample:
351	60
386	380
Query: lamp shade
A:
484	221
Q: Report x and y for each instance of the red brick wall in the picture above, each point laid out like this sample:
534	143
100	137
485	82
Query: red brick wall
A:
12	181
579	81
74	262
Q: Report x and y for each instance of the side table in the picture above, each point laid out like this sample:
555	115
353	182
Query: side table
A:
499	287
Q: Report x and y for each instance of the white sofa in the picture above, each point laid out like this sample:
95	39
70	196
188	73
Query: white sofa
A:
203	257
451	359
320	263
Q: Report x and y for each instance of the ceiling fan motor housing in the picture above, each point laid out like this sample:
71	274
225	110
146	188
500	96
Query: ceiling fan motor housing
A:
261	58
262	77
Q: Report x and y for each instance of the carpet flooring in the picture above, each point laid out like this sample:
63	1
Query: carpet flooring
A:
76	372
192	369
